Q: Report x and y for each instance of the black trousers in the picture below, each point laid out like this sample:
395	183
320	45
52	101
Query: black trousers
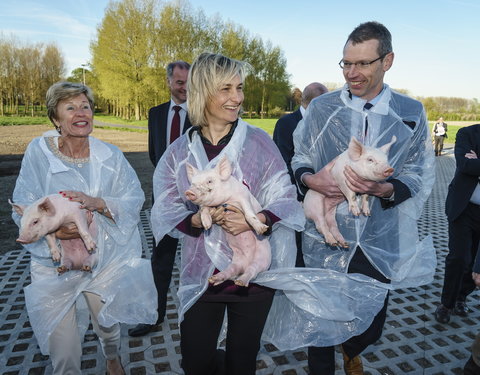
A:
201	327
298	240
321	360
163	259
464	235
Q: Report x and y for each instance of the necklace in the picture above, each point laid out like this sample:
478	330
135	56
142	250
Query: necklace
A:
56	151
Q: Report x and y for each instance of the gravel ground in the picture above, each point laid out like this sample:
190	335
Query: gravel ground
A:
13	142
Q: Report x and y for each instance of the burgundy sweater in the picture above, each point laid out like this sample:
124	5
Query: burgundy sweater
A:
226	291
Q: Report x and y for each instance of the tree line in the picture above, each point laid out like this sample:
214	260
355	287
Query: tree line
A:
133	45
26	72
138	38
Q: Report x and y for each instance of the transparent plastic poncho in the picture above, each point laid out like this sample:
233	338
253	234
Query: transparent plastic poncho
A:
389	237
121	278
311	306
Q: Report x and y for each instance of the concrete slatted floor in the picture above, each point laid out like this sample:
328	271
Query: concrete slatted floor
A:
412	342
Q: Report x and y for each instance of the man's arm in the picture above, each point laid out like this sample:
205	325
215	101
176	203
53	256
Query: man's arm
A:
283	138
151	135
466	141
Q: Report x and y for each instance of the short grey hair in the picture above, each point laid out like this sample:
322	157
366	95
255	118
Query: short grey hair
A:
176	64
65	90
207	74
311	91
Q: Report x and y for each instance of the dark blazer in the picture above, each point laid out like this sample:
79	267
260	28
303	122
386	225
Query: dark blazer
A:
467	172
283	137
157	131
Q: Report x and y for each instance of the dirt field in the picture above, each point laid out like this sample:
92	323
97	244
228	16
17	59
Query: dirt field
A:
13	142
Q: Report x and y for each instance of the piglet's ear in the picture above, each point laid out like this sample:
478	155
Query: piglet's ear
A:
191	171
355	149
18	208
46	207
224	168
386	148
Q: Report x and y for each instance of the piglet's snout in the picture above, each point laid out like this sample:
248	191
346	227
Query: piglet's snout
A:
388	172
23	241
190	195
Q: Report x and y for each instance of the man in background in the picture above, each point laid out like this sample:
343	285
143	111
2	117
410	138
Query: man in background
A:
283	138
439	134
462	207
166	122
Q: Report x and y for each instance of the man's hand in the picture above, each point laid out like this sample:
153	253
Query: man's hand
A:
471	155
363	186
476	279
323	182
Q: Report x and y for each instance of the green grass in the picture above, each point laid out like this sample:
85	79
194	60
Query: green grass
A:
119	121
267	124
23	120
451	133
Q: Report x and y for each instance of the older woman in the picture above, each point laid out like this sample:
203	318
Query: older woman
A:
215	96
96	174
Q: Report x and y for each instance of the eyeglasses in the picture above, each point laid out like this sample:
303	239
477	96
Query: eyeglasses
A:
361	64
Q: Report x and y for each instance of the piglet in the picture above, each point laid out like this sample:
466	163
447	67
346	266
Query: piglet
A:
217	186
369	163
45	216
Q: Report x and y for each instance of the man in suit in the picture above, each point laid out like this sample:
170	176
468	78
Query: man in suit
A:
283	138
463	212
166	122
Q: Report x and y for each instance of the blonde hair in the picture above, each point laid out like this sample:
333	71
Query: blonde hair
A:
207	74
64	90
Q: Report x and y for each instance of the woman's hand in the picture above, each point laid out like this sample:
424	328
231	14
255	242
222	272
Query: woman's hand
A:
87	202
69	231
234	222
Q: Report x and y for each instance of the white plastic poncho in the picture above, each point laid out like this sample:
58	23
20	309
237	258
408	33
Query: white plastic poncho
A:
389	237
310	309
121	278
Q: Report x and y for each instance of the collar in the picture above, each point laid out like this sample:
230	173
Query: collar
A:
172	104
381	103
99	152
302	111
223	141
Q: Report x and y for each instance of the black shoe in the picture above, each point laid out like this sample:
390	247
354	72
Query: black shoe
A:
142	329
461	309
442	314
471	368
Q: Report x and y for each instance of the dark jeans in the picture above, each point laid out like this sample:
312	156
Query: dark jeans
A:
201	327
321	360
464	234
163	259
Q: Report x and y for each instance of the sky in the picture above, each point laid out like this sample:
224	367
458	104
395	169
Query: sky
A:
436	42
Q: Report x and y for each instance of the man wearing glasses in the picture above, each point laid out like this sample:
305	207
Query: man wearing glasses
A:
384	246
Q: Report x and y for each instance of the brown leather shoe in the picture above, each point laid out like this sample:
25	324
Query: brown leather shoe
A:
352	366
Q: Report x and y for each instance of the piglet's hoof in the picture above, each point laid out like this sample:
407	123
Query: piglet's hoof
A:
86	269
240	283
214	280
62	269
